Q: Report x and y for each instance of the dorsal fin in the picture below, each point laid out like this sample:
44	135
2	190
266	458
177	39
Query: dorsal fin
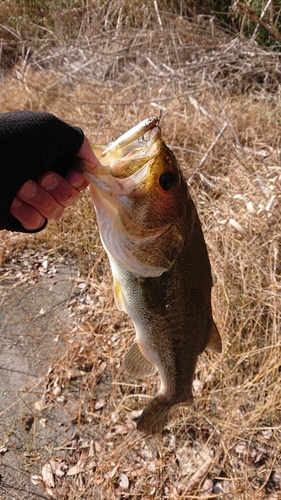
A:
214	342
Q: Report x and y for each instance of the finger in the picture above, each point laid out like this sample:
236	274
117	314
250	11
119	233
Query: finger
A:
30	218
86	153
76	179
32	194
60	189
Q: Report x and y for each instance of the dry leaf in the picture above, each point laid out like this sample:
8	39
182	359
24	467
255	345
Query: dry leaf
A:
184	456
82	286
207	486
250	208
57	391
57	468
98	447
36	479
237	226
112	473
202	465
48	476
40	405
100	404
121	429
43	422
241	449
267	433
123	481
196	385
76	469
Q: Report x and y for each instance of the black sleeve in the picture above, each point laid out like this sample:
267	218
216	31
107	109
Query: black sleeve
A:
31	143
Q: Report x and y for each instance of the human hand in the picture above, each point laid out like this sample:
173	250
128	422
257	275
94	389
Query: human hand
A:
51	194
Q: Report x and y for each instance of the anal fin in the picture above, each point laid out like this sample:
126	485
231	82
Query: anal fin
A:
136	363
214	342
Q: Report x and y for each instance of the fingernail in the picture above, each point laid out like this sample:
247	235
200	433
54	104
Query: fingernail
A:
50	182
75	178
17	203
78	183
71	200
28	190
36	223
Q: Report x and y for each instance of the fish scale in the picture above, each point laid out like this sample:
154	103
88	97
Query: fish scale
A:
151	232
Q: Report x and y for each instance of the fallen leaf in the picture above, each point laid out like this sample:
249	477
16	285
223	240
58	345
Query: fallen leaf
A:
48	476
43	422
100	404
207	486
121	429
238	227
57	468
40	405
267	433
82	286
76	469
112	473
123	481
36	479
57	391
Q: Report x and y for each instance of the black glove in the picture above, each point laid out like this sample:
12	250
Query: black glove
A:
31	143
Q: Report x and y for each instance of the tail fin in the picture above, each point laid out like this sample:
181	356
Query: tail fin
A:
153	417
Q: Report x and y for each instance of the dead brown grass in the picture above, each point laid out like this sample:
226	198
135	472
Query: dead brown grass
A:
221	114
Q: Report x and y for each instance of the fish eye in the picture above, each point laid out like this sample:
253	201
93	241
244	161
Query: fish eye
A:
167	181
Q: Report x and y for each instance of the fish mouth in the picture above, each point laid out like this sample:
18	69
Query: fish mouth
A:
127	157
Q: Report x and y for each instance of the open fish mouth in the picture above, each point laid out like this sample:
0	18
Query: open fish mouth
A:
126	156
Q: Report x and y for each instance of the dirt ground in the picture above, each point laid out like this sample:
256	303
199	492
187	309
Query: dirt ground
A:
34	318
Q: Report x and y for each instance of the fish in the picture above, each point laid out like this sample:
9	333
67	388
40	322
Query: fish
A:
150	229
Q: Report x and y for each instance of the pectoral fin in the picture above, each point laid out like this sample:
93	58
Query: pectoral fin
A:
214	342
118	296
136	363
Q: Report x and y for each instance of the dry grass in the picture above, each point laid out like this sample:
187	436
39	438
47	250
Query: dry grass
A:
221	114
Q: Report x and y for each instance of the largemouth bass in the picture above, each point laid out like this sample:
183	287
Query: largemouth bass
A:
151	232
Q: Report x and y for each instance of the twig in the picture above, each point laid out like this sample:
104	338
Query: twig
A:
158	15
261	16
273	30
